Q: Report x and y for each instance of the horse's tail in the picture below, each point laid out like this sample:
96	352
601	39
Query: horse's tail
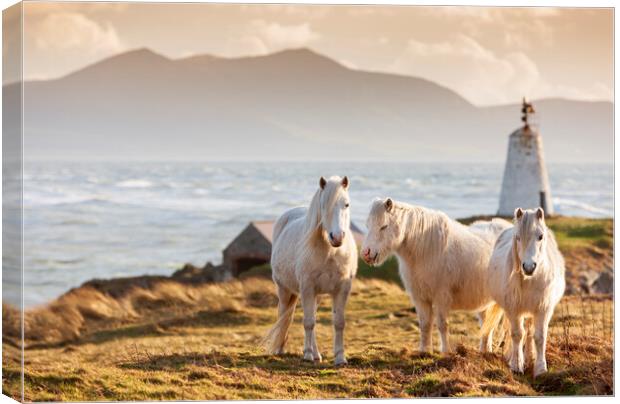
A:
492	317
490	230
276	338
498	226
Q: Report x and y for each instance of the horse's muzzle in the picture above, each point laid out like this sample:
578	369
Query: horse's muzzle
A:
336	241
529	269
367	258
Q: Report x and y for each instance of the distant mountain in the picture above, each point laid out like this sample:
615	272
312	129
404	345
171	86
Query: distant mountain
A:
294	104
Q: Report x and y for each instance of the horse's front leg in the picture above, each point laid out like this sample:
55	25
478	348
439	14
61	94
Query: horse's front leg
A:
308	302
529	345
425	319
516	361
339	304
315	346
541	327
442	326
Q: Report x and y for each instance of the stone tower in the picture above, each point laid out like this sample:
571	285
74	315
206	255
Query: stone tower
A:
525	183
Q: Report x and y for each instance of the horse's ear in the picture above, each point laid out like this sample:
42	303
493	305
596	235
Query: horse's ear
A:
540	214
518	213
389	204
345	182
322	183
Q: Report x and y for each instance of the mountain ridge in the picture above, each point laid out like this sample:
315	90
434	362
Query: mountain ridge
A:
295	100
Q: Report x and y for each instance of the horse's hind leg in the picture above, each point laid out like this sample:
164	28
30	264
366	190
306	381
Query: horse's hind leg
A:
339	304
308	302
486	340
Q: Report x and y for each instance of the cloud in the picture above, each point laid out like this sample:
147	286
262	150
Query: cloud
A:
520	25
68	31
262	37
482	76
296	10
38	9
469	68
595	92
59	42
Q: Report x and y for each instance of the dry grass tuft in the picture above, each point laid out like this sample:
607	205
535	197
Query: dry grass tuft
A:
100	304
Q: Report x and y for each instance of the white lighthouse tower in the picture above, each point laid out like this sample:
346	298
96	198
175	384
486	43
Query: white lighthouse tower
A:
525	183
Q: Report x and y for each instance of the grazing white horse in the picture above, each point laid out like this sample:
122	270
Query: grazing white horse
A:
443	263
314	253
526	279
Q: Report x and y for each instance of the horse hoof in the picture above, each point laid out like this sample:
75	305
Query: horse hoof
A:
516	367
539	370
309	357
318	358
340	362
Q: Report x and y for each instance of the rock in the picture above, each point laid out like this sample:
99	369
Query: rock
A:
192	273
586	280
604	283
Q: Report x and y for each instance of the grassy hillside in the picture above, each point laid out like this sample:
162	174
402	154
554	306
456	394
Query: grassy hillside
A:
167	340
211	351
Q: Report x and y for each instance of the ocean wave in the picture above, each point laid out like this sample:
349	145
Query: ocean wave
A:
412	183
561	203
135	183
33	200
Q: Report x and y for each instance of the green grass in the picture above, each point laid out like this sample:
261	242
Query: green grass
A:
386	272
424	386
583	233
573	232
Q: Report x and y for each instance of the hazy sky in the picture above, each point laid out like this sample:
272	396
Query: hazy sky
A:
488	55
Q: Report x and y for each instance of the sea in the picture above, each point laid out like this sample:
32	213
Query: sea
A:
105	220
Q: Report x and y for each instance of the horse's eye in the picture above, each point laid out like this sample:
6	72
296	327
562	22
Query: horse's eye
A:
383	227
540	237
346	205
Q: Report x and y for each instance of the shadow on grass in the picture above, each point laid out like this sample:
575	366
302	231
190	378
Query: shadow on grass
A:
375	358
171	326
201	319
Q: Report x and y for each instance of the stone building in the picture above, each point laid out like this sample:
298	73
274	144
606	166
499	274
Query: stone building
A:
525	183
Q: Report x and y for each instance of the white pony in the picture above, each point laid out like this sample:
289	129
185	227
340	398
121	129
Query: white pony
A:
526	279
314	253
443	263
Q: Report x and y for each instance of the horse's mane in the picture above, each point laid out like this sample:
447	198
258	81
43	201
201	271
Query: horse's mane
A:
426	230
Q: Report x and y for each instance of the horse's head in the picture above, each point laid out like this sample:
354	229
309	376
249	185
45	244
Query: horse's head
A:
529	239
334	208
384	232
